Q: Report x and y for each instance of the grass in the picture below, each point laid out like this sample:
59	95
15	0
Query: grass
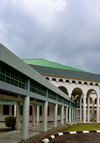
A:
83	127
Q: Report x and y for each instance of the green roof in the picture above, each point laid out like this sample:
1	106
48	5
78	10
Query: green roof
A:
46	63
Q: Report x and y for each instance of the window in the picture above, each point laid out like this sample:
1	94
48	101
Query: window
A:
30	110
5	109
12	109
73	81
40	110
67	81
48	110
47	78
85	83
53	79
60	80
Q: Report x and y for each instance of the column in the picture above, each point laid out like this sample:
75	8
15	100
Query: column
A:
88	109
66	114
19	112
18	108
37	114
84	108
33	115
15	110
45	107
25	125
62	115
55	115
97	108
80	110
69	114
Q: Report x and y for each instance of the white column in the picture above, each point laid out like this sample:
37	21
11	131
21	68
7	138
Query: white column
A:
19	110
15	110
97	108
80	110
66	114
88	109
45	107
55	115
84	108
37	114
69	114
25	123
62	115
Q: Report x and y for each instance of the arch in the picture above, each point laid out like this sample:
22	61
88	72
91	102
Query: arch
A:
47	78
73	81
91	91
96	84
91	83
76	93
60	80
53	79
79	82
62	88
85	83
67	81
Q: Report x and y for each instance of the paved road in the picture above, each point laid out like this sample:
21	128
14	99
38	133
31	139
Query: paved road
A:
78	138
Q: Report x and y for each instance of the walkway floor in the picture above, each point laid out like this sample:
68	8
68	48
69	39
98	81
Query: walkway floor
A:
16	136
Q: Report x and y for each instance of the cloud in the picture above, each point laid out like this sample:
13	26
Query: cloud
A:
63	31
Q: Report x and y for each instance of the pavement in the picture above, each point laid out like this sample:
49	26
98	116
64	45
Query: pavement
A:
16	135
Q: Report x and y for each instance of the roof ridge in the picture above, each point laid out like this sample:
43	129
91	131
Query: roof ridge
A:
50	63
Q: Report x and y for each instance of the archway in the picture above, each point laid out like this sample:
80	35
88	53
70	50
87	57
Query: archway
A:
62	88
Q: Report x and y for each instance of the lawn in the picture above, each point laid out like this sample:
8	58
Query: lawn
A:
83	127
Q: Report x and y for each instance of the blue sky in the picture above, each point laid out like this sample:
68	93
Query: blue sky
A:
63	31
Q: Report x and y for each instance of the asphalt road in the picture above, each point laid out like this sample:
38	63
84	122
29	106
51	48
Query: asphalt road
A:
78	138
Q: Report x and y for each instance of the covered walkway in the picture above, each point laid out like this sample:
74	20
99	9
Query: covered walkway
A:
16	136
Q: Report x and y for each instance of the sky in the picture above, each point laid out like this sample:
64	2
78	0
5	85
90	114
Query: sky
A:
62	31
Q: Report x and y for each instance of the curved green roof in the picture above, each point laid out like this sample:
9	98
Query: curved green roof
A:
46	63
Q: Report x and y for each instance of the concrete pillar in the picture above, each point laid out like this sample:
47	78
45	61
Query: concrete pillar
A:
55	114
32	115
15	110
84	108
88	109
66	114
25	125
62	115
69	114
97	108
19	112
37	114
45	108
80	110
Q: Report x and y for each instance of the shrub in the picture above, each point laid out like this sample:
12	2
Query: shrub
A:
10	121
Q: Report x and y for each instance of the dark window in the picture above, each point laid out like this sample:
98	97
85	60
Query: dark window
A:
91	83
47	78
53	79
30	110
67	81
85	83
48	110
12	109
58	111
40	110
60	80
21	110
73	81
5	109
96	84
79	82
